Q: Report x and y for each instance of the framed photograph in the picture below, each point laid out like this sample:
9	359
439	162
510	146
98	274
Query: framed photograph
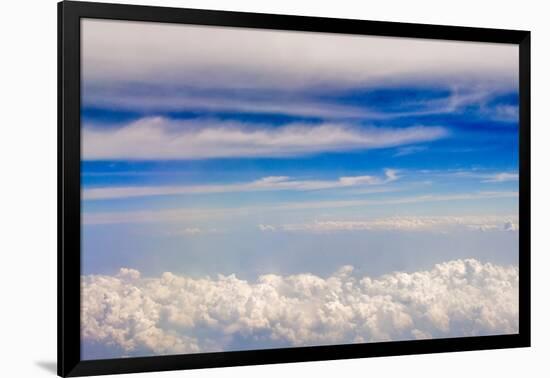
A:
239	188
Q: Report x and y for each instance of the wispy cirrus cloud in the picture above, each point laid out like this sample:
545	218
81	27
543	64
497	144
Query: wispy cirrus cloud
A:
270	183
165	99
162	138
409	150
156	100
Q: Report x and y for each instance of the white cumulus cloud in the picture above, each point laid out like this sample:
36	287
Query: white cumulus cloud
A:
180	314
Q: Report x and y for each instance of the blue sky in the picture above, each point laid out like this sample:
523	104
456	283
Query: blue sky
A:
226	151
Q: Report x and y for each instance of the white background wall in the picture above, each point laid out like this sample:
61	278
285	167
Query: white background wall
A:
28	186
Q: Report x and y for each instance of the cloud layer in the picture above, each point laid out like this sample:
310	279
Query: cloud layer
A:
270	183
163	138
243	58
193	214
404	223
179	314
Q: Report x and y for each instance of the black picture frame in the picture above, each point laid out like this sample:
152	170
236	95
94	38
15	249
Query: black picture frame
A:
69	215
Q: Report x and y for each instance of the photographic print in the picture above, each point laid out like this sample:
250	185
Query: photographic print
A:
247	189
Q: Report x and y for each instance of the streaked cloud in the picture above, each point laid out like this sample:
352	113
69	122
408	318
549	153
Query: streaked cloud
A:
164	98
179	314
160	138
270	183
156	100
409	150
